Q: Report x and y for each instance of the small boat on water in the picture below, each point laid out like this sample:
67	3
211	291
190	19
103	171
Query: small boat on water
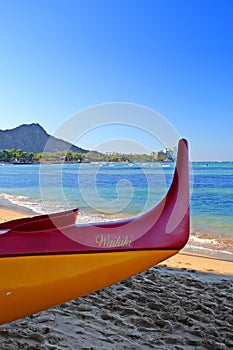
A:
47	260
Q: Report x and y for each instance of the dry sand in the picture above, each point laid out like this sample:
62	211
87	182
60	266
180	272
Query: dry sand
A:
7	215
184	303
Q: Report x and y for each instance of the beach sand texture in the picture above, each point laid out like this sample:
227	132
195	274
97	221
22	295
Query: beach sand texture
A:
184	303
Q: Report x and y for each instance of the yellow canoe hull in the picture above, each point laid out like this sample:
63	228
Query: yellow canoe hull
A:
33	283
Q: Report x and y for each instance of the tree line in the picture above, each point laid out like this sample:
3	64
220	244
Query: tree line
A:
18	156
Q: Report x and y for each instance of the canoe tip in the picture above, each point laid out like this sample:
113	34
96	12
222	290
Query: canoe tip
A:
183	142
183	139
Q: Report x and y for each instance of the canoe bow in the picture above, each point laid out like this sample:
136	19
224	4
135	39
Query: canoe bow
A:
49	259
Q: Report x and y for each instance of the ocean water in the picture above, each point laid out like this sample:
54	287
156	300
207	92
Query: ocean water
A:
119	190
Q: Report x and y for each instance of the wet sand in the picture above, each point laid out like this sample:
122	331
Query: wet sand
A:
184	303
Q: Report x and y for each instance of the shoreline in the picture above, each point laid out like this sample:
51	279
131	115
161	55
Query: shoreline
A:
14	210
9	214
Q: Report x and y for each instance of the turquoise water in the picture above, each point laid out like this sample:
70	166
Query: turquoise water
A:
119	190
212	197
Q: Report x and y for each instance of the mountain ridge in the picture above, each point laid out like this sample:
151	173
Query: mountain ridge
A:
33	138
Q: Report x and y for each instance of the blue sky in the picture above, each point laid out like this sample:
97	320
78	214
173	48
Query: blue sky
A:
173	56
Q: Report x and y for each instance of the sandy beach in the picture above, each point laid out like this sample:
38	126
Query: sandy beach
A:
7	215
184	303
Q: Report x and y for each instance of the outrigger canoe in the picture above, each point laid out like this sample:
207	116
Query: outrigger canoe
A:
49	259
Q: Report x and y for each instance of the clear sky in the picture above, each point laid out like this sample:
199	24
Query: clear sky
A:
173	56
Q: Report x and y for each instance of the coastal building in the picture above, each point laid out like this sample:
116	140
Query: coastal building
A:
168	154
171	153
